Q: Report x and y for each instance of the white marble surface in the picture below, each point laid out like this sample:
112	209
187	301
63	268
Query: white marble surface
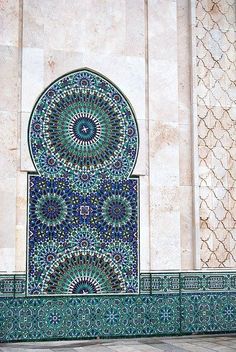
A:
9	102
32	77
9	78
9	15
163	137
26	163
7	262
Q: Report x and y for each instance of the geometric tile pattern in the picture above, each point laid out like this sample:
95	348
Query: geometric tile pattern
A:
87	317
152	283
208	282
69	253
12	285
215	70
82	126
183	303
190	282
83	202
208	312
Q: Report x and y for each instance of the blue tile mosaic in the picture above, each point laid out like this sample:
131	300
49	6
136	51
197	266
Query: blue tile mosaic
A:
84	240
83	202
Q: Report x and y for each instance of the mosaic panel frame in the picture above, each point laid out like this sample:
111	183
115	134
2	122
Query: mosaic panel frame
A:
83	204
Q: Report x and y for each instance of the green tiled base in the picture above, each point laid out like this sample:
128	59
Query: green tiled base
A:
88	317
208	312
169	304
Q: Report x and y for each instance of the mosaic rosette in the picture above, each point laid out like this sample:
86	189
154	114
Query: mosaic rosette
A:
50	207
83	272
116	209
83	123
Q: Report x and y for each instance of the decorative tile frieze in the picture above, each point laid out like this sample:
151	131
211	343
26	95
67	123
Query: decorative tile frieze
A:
187	282
12	285
201	282
193	309
153	283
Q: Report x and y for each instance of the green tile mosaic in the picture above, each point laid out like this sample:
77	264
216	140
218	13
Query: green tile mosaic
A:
208	312
201	282
12	285
201	303
46	318
159	283
187	282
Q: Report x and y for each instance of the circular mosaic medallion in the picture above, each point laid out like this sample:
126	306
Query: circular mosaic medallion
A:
83	124
51	209
83	273
116	210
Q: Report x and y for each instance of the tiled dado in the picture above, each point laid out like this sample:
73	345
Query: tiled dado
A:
208	312
87	317
169	304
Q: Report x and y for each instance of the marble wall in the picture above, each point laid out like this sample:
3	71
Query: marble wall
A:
10	57
144	47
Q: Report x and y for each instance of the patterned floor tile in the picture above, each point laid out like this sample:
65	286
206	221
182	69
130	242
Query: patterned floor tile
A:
17	349
166	347
147	348
210	345
230	343
155	344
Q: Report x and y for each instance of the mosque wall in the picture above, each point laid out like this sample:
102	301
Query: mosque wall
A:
149	50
